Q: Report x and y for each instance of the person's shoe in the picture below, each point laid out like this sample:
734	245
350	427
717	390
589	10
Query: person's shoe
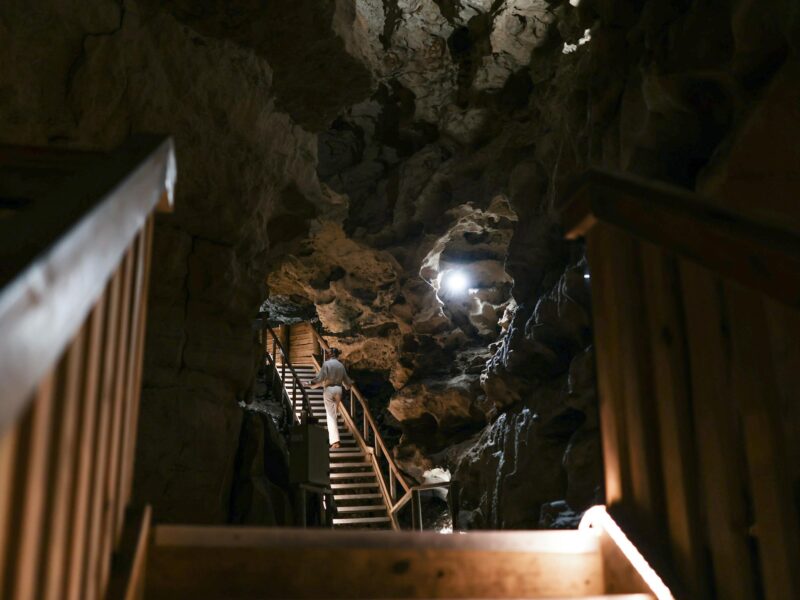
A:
335	445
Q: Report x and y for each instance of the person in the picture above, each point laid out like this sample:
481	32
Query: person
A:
331	377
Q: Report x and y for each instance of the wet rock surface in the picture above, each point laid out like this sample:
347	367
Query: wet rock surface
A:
355	155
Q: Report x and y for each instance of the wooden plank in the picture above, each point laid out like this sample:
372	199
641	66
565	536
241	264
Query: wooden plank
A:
63	450
646	500
717	434
672	389
110	529
50	281
34	494
8	458
606	311
756	395
215	562
84	458
130	561
137	390
784	331
93	560
760	256
131	364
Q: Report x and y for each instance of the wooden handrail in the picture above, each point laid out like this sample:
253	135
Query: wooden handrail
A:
388	489
57	256
288	363
74	273
757	255
284	394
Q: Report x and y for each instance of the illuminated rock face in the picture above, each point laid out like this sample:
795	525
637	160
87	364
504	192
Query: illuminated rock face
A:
352	155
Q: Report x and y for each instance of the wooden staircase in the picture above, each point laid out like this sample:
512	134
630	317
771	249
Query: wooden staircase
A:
357	498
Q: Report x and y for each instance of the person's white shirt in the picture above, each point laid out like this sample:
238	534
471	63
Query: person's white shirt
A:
332	373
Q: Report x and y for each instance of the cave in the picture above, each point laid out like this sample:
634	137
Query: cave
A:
405	182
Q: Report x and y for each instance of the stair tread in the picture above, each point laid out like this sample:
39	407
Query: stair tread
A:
345	497
354	475
365	508
350	486
355	520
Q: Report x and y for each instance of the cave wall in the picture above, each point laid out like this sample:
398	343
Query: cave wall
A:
483	113
87	74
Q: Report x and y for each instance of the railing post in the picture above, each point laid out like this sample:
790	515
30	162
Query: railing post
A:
416	508
453	498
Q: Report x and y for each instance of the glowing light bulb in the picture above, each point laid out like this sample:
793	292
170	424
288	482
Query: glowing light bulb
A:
456	281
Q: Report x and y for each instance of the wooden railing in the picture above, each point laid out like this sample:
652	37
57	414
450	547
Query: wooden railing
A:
696	329
279	370
369	438
74	272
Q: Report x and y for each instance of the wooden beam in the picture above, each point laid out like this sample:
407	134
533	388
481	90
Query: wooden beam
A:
214	562
760	256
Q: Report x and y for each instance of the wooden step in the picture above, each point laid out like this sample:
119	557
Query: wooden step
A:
347	497
353	475
369	508
345	465
351	486
338	454
360	520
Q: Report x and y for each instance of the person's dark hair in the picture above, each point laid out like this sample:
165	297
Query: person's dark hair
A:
335	352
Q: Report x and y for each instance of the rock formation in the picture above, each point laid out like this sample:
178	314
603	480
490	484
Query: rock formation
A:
354	156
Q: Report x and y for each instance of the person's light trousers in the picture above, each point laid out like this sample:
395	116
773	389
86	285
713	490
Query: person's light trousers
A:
332	395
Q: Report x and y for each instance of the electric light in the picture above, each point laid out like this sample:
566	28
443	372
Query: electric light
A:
456	281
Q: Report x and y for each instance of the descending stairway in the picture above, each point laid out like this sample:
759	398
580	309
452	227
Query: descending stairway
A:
356	497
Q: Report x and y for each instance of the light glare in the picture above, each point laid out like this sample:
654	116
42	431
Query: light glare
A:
456	281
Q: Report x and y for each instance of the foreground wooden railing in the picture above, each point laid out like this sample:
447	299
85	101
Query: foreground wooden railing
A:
74	271
369	439
207	563
696	329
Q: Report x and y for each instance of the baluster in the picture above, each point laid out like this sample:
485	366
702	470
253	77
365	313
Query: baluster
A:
365	424
454	501
294	392
416	507
352	405
392	486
